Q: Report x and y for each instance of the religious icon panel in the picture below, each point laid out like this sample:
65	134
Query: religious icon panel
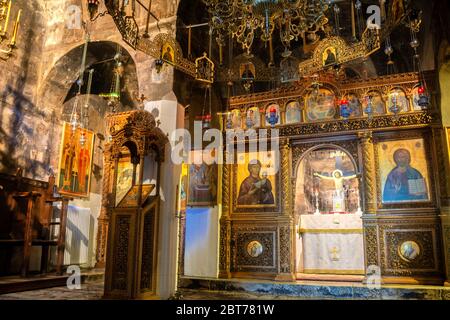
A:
273	114
293	112
168	53
74	174
415	96
354	104
256	179
377	104
320	105
253	118
329	56
398	102
233	120
202	185
403	170
124	177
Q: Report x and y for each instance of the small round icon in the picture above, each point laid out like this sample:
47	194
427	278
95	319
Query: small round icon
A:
409	251
254	249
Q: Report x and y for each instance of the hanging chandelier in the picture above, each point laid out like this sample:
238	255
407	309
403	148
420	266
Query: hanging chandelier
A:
246	19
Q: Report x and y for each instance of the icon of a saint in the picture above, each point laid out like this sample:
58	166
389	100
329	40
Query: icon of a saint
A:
404	182
168	55
256	189
331	58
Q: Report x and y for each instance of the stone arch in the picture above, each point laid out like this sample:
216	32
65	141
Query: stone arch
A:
64	72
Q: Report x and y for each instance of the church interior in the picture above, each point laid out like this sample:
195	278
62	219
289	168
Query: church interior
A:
249	149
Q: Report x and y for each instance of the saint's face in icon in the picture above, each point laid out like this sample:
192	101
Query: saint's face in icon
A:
255	169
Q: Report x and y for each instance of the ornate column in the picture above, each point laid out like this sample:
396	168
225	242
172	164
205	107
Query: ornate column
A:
370	201
181	237
443	165
369	177
286	179
225	223
286	227
103	219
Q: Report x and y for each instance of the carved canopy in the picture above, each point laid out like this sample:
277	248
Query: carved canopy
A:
139	128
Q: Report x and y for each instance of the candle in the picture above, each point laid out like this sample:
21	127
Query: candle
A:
353	19
7	18
16	29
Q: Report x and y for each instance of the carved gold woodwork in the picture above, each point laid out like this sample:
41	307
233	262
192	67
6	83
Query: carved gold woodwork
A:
275	234
383	237
286	174
344	53
385	227
154	47
225	223
370	192
398	136
232	73
384	85
129	29
130	228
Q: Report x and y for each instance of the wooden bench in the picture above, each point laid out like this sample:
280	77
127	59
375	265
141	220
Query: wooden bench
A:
38	198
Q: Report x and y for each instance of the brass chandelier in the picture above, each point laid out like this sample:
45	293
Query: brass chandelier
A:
246	19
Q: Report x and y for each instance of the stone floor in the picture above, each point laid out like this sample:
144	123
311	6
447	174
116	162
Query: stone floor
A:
88	291
93	290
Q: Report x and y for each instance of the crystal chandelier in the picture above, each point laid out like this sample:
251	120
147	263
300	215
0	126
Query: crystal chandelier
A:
244	19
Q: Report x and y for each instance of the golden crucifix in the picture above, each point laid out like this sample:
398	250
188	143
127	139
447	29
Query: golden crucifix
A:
338	177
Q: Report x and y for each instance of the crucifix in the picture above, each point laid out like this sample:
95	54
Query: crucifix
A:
338	177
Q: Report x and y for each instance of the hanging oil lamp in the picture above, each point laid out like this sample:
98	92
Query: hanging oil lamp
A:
93	8
395	109
424	100
345	108
272	117
369	109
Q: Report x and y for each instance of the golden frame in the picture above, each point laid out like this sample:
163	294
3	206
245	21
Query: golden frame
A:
399	137
215	169
275	181
76	145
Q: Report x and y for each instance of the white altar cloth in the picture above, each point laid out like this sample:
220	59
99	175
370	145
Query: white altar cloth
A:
331	244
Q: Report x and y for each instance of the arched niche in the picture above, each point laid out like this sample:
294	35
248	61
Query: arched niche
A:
315	183
57	96
329	239
60	86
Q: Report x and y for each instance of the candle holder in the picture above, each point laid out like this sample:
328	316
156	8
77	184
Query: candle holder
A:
272	117
5	15
345	109
395	108
317	212
369	109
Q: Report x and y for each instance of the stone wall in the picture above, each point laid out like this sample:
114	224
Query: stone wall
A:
36	80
